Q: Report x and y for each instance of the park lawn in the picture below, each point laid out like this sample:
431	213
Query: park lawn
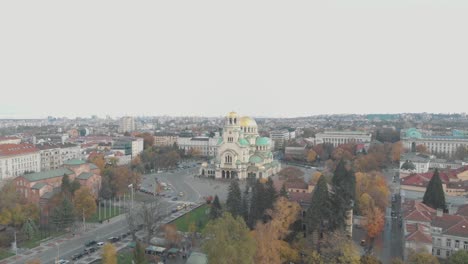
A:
36	239
124	257
109	212
5	253
199	217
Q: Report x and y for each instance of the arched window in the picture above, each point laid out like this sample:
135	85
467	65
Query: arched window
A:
230	121
235	120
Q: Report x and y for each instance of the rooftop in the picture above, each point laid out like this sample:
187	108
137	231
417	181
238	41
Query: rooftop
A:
37	176
17	149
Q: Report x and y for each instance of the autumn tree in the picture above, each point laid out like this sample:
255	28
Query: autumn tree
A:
458	257
315	177
271	248
230	241
369	259
373	184
216	210
336	247
311	156
397	150
422	258
148	139
375	222
150	214
99	161
109	254
234	199
171	235
84	202
461	153
434	195
422	149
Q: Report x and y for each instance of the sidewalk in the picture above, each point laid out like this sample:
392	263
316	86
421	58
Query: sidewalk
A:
52	243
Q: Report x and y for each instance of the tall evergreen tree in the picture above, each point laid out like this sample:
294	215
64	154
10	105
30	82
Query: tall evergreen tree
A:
270	194
319	213
344	192
66	185
245	204
257	204
283	191
434	195
216	210
234	199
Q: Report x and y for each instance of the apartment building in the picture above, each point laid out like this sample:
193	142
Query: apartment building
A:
15	159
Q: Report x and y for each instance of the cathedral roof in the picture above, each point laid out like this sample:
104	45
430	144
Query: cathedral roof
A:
246	121
255	159
243	142
232	114
220	141
262	141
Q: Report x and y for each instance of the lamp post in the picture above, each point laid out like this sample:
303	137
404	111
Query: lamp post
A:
131	188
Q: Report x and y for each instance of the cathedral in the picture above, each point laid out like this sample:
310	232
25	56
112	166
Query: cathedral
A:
241	152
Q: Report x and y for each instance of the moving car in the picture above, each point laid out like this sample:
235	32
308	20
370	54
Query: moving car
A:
100	244
90	243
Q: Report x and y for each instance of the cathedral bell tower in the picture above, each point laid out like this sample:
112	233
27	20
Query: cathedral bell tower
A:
231	128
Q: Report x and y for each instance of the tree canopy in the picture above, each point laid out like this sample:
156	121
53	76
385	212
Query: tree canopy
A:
434	195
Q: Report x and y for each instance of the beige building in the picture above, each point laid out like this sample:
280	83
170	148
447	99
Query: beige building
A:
337	138
446	144
9	140
15	159
165	139
126	124
53	155
241	152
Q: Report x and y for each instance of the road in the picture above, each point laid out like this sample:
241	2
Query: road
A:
179	180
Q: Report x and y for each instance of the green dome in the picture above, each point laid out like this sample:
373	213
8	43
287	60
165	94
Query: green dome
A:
413	133
238	162
255	159
262	141
243	142
220	140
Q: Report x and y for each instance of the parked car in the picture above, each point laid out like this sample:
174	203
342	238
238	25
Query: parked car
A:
63	261
90	243
181	194
113	239
175	199
100	244
77	256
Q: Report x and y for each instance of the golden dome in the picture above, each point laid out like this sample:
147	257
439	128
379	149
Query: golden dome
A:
246	121
232	114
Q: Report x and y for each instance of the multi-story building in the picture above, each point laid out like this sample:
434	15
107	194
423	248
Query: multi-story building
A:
9	140
15	159
279	137
337	138
126	124
53	155
423	163
203	146
40	185
446	144
163	139
129	145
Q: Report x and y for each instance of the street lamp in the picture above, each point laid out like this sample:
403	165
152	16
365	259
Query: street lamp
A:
131	188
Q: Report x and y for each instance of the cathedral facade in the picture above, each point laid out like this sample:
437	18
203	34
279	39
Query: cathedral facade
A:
241	152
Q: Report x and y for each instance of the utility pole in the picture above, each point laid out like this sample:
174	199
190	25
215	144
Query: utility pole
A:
84	221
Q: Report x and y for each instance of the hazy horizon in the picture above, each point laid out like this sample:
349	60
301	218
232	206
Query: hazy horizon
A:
207	58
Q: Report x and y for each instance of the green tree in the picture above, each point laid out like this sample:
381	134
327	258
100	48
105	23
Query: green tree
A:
283	192
408	165
230	241
139	254
245	204
63	216
257	204
459	257
319	212
422	258
344	191
66	185
270	194
434	195
216	210
234	199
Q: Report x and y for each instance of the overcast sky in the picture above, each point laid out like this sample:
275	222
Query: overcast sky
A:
260	58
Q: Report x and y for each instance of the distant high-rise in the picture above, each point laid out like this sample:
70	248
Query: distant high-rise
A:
127	124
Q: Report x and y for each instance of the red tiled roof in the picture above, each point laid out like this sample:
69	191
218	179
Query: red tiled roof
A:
417	211
17	149
8	137
463	210
422	179
459	229
296	185
446	221
418	233
300	197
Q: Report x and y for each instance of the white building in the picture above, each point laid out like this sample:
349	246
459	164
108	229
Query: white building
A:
280	137
435	144
204	146
126	124
337	138
241	153
53	155
9	140
129	145
15	159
